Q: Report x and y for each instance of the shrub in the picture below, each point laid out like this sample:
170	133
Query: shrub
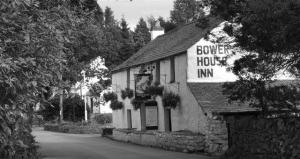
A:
115	105
73	109
16	140
170	99
137	103
127	93
110	96
103	118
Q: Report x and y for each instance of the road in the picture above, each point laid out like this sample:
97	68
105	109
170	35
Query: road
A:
73	146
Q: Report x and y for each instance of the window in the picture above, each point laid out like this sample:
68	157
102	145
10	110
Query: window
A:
172	70
128	78
157	72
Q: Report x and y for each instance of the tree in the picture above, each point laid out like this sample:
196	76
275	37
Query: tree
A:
41	47
125	31
141	34
109	19
127	49
30	55
167	25
269	34
151	22
74	109
185	11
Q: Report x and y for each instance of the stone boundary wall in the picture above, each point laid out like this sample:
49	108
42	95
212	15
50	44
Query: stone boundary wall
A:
257	137
174	141
74	129
216	137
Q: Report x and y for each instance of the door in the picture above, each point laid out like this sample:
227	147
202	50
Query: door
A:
129	119
168	121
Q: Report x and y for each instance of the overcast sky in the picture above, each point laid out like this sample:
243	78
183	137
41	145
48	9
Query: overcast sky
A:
133	10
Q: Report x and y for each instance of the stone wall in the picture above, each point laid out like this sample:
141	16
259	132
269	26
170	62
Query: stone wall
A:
74	128
174	141
216	137
263	138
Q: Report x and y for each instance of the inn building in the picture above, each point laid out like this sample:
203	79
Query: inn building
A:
185	63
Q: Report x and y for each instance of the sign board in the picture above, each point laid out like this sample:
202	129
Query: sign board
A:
142	81
151	116
204	62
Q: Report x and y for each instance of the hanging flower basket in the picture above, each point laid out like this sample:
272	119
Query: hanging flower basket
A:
137	103
115	105
127	93
154	90
170	100
110	96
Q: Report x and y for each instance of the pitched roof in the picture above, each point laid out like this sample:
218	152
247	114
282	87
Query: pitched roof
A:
210	97
174	42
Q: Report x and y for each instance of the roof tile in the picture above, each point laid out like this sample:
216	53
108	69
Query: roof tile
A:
211	99
174	42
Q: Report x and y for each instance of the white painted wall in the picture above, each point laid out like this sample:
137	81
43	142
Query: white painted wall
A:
187	116
119	82
220	72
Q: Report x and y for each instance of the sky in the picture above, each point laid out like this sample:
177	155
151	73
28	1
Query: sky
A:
133	10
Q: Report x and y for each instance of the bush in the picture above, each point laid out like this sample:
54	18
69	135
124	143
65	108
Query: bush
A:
170	99
16	140
103	118
73	109
127	93
110	96
115	105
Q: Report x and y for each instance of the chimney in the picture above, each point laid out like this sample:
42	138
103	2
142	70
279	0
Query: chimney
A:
156	31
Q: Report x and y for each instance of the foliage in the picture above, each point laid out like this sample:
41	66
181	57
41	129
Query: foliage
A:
154	90
15	138
103	118
109	19
268	33
166	24
96	89
137	103
185	11
141	34
73	109
170	99
126	93
115	105
110	96
151	21
264	138
31	52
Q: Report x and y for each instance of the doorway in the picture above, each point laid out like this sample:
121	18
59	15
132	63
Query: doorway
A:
168	120
129	119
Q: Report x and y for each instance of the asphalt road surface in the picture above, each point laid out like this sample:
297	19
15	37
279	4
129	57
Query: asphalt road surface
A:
73	146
